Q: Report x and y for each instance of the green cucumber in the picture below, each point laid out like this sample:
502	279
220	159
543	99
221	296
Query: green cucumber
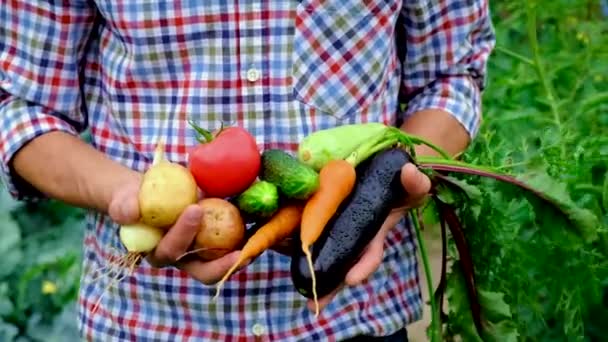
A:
260	199
294	179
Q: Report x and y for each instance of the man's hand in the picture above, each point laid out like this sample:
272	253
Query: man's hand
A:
437	126
124	209
417	185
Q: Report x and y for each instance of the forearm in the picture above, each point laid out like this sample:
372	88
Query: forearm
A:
438	127
64	167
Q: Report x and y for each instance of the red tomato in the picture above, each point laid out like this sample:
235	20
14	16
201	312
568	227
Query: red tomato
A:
227	165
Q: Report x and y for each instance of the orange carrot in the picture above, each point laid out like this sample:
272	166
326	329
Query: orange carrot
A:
282	224
336	181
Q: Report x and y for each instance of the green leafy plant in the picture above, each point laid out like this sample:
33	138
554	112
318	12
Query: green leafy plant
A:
39	270
539	275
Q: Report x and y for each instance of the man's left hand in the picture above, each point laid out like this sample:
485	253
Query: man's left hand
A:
417	186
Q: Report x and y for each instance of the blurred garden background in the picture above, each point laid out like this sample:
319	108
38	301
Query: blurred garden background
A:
546	105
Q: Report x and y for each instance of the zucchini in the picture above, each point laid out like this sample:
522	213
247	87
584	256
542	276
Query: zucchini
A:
357	221
339	142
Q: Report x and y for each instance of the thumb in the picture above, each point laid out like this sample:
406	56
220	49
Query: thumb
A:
124	207
415	182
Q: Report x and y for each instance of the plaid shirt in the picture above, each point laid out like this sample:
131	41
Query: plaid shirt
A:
280	68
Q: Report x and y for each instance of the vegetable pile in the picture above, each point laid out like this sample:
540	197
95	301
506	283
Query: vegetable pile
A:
331	197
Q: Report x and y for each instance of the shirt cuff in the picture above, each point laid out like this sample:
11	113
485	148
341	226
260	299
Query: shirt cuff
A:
458	95
20	123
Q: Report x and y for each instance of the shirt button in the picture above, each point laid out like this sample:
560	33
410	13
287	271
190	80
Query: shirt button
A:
258	329
253	74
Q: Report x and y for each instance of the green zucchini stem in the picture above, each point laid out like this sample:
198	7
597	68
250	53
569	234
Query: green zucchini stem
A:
389	137
435	328
410	140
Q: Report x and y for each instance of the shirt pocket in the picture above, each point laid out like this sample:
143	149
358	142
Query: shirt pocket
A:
341	53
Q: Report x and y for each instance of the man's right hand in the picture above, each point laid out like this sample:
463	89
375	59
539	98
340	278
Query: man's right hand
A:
124	209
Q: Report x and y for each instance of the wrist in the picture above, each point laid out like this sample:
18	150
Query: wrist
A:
438	127
124	178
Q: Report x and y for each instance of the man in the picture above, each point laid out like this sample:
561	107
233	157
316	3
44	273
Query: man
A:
281	69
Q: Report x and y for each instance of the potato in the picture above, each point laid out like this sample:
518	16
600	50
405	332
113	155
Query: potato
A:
222	229
166	190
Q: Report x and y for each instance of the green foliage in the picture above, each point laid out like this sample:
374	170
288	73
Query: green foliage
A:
549	274
39	270
546	116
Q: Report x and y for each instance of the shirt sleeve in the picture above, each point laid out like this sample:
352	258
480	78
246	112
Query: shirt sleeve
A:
447	44
39	76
